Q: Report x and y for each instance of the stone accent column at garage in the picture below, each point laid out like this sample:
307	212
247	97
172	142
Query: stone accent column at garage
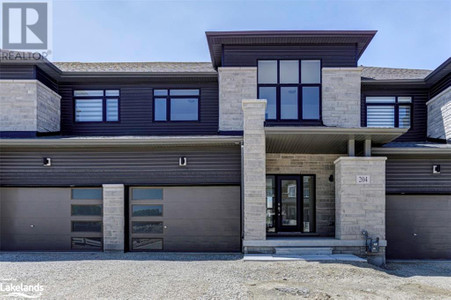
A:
113	217
360	199
254	170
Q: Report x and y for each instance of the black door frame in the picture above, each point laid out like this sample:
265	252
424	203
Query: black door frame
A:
300	207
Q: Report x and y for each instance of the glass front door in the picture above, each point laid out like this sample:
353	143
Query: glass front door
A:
290	203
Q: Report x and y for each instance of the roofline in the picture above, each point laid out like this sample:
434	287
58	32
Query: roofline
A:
392	81
409	150
123	141
335	130
446	64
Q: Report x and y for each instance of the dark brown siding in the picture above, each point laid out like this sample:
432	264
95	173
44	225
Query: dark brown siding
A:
136	111
440	86
420	96
139	166
414	175
17	71
343	55
418	226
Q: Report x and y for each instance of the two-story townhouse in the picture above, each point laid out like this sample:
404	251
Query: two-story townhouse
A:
282	144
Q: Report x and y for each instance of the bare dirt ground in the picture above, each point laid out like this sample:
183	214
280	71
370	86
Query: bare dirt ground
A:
208	276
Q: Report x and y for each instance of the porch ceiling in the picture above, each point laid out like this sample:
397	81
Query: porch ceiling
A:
325	140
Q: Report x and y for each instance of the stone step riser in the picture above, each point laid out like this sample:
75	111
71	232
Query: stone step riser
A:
303	251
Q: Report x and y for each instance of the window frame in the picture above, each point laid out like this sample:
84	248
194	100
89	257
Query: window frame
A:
396	106
104	99
299	85
168	98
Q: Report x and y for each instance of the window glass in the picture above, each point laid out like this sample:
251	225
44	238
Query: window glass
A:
112	93
160	92
184	109
147	194
308	205
160	109
112	110
86	243
310	103
147	210
404	116
86	210
405	99
288	103
270	204
380	116
147	227
269	93
86	226
289	71
88	110
87	193
380	99
310	71
267	71
88	93
184	92
147	244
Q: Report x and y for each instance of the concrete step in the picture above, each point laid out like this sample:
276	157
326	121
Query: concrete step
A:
303	250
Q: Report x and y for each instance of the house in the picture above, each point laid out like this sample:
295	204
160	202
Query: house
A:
283	143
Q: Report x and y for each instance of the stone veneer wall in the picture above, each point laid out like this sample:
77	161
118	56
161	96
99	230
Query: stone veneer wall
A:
321	165
113	217
28	105
341	97
254	171
439	116
235	84
359	206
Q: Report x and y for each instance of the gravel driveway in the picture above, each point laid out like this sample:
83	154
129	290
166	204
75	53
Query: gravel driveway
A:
209	276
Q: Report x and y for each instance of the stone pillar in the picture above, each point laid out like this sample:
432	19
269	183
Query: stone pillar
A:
113	217
254	170
360	200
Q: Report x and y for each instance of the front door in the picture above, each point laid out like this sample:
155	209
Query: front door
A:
290	203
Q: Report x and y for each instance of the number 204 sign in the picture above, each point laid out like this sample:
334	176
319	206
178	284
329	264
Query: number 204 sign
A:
363	179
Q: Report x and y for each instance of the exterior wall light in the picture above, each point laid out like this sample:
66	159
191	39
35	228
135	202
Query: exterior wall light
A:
183	161
47	162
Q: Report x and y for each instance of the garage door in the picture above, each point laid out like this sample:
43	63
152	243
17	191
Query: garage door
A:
418	226
184	218
51	219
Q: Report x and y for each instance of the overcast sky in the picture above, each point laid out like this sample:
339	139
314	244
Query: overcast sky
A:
411	34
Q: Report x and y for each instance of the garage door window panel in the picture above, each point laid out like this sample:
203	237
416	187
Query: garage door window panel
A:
86	210
86	226
147	194
147	227
86	243
147	210
145	244
87	194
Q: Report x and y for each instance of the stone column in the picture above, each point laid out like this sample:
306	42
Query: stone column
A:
254	170
113	217
360	200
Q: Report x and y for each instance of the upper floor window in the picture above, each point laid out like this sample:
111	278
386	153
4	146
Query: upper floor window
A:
176	105
291	88
388	112
96	105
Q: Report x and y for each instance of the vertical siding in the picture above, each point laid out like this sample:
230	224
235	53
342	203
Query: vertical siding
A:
343	55
417	131
136	110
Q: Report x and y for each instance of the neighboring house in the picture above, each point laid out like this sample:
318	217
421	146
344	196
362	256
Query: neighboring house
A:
281	144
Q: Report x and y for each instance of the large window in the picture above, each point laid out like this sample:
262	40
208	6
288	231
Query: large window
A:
389	112
176	105
292	89
96	105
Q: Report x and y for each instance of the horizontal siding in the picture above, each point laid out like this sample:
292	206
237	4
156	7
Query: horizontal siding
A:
136	111
417	131
46	80
142	166
8	71
440	86
415	175
331	55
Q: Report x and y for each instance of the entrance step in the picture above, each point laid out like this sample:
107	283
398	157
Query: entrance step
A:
303	250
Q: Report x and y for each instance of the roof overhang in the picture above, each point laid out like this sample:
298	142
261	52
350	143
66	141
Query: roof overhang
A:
429	150
324	140
122	141
216	39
